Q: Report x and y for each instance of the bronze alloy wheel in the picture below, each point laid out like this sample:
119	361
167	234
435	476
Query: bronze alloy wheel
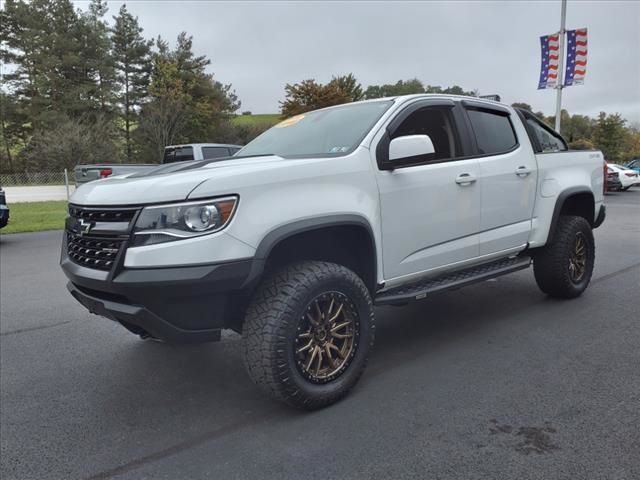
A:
578	258
327	337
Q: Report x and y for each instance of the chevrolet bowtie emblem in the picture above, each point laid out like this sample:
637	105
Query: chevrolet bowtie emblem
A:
83	227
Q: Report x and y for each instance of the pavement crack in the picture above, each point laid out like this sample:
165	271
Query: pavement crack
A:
248	420
33	329
616	273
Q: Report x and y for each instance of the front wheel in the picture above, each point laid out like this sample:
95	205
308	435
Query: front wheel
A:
563	268
308	332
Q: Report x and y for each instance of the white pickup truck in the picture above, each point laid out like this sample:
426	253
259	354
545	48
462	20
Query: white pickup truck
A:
172	153
293	241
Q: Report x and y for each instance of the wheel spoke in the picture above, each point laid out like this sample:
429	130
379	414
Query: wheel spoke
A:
327	314
327	349
319	312
306	347
337	314
341	335
333	347
311	319
340	326
311	358
319	361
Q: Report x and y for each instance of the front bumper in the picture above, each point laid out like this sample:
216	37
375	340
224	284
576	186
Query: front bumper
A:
175	304
4	215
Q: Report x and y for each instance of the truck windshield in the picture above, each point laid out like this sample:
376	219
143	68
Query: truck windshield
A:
331	132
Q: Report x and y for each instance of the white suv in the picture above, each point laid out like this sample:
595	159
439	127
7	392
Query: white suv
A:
294	240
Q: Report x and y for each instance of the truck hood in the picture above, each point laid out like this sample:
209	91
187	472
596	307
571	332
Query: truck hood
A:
167	183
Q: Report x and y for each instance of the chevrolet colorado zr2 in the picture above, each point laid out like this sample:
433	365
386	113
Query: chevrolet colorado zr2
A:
294	240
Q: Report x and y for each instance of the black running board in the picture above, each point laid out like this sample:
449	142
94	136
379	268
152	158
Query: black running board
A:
448	281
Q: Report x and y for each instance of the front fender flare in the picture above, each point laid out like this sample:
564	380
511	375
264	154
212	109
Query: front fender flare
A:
278	234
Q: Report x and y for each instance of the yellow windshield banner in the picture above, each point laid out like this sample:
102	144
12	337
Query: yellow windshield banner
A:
289	121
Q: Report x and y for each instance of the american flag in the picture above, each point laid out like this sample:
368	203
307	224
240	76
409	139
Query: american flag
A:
576	57
550	50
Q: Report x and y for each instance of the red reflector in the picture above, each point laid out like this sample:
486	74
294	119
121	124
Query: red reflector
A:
630	174
105	172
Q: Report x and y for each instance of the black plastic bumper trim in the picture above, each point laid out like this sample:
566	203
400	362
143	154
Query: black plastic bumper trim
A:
601	216
176	304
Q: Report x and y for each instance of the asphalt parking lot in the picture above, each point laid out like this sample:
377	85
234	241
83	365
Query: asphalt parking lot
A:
492	381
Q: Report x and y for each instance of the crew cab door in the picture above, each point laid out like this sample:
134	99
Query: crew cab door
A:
430	204
507	178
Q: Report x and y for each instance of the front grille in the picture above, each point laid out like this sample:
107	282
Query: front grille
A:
106	231
103	214
93	252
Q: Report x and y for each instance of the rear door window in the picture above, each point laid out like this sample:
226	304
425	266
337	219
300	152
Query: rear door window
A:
214	152
493	131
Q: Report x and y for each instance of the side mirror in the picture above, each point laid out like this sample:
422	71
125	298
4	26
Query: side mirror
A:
410	146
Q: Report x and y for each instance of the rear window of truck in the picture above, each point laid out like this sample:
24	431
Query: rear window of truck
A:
214	152
177	154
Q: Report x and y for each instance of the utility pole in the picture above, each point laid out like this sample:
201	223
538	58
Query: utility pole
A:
560	85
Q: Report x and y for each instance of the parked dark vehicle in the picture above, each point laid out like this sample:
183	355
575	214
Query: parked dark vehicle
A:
613	181
4	210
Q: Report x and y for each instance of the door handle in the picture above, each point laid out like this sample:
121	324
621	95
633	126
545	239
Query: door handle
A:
523	171
465	179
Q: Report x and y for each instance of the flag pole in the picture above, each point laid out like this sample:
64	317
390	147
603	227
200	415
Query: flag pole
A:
560	85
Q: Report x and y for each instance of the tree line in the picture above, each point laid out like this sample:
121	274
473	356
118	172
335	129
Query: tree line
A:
79	88
608	132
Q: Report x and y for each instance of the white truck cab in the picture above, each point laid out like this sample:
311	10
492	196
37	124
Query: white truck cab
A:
293	240
198	151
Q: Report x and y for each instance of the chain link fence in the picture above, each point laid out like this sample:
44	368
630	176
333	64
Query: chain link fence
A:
34	178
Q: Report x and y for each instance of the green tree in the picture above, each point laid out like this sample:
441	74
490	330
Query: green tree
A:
186	104
581	144
131	53
454	90
310	95
631	146
401	87
522	105
97	47
58	58
350	86
576	127
609	136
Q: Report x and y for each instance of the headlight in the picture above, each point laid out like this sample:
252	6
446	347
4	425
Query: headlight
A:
164	223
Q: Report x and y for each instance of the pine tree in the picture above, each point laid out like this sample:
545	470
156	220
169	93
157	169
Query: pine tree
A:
131	53
186	104
97	52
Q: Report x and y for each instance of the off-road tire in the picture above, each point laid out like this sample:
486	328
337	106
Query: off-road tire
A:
551	263
271	327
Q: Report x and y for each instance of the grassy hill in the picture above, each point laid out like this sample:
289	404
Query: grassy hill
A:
261	119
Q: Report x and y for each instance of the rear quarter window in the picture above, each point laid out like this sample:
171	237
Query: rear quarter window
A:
493	131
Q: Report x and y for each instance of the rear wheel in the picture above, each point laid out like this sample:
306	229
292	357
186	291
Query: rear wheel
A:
308	332
563	268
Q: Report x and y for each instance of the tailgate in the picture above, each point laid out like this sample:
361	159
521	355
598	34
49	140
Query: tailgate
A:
87	173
